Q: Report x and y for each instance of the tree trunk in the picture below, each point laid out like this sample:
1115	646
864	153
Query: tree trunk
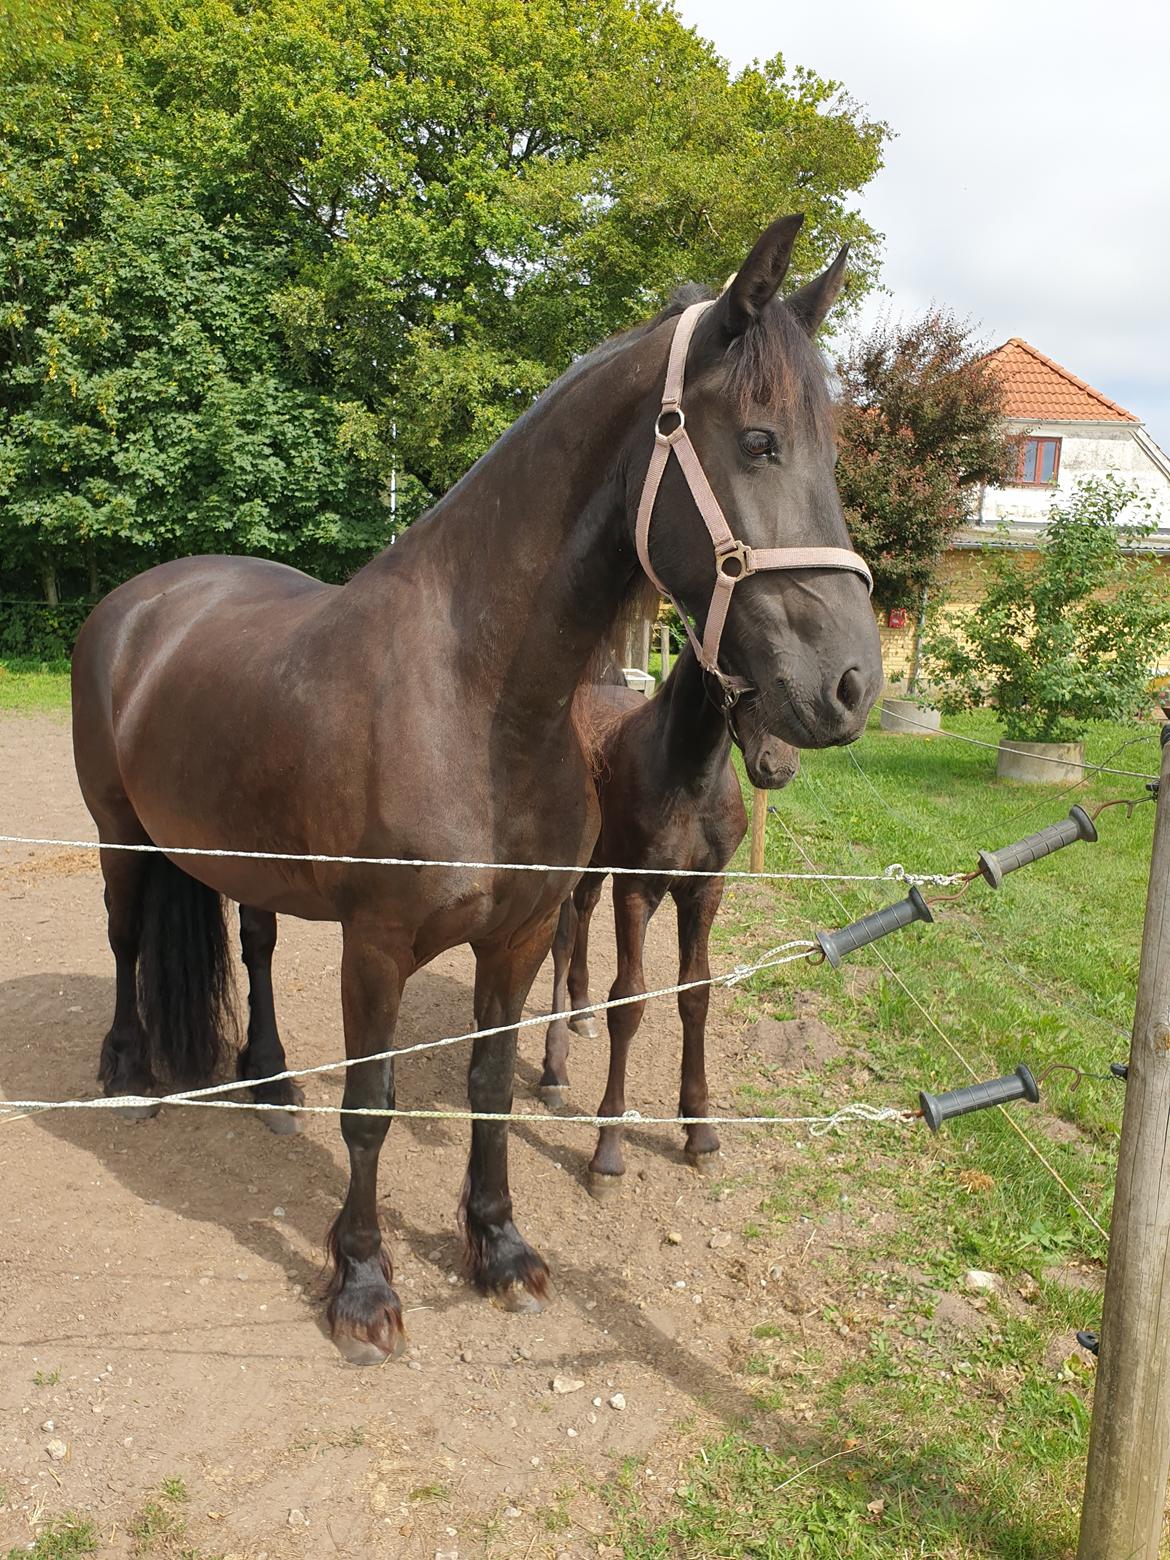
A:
49	580
92	568
916	654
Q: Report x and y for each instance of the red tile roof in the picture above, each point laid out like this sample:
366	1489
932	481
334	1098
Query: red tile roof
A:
1035	389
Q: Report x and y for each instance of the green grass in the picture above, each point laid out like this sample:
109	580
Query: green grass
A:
27	687
64	1537
973	1445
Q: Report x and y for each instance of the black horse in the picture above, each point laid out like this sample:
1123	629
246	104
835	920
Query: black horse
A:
425	710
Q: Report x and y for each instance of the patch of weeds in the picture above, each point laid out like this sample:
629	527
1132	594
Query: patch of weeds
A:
555	1518
434	1491
757	1365
46	1378
63	1538
160	1528
767	1330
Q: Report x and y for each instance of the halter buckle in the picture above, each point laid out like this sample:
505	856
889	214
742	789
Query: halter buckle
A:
736	554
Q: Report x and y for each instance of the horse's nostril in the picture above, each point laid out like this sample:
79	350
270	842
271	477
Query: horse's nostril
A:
851	689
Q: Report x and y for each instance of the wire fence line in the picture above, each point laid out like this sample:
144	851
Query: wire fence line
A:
783	953
960	1057
994	747
894	873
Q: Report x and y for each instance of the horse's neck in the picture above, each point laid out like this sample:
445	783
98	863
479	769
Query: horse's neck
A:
531	552
692	729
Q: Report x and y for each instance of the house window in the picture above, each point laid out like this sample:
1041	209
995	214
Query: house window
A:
1039	462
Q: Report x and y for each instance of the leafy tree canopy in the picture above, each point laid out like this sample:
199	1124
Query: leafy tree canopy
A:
921	423
257	259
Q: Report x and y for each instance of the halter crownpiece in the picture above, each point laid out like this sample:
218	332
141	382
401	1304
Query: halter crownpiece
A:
734	560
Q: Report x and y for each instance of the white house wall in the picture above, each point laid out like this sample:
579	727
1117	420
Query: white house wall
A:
1087	450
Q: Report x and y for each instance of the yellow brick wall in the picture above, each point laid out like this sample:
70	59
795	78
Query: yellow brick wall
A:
961	587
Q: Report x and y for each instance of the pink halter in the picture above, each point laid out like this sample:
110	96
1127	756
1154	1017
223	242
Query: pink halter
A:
734	560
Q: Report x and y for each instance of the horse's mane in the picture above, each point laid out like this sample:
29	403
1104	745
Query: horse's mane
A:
772	366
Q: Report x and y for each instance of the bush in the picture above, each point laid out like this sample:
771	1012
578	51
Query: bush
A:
1070	641
32	633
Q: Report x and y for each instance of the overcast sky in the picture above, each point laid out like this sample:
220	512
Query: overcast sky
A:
1028	186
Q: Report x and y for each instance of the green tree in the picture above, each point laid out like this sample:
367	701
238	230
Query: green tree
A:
148	408
262	263
921	423
1072	640
477	190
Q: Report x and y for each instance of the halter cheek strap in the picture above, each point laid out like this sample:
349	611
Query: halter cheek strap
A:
734	560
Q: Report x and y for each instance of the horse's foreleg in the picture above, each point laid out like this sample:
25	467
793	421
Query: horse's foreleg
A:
554	1080
696	911
632	908
124	1067
585	898
499	1261
263	1054
364	1313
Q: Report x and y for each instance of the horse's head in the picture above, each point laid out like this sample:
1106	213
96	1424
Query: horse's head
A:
789	624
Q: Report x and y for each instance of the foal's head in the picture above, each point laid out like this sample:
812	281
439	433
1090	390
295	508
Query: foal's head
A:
801	638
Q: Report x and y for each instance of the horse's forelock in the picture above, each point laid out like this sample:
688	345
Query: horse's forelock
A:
774	365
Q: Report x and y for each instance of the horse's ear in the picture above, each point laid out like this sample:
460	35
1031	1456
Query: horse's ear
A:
757	281
813	301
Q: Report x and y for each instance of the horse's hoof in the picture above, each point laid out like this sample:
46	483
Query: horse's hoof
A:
603	1187
360	1351
137	1112
555	1095
285	1123
586	1026
519	1299
706	1163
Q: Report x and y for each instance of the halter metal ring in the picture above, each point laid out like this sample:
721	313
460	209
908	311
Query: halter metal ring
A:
675	433
736	554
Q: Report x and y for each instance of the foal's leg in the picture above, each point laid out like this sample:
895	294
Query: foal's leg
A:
585	898
697	906
633	905
499	1261
364	1313
263	1054
124	1067
554	1080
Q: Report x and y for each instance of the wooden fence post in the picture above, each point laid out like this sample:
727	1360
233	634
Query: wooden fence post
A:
759	818
644	645
1129	1447
664	647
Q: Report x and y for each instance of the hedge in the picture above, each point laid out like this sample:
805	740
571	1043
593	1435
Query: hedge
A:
35	631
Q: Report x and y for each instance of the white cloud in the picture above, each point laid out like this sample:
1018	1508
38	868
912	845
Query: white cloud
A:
1029	183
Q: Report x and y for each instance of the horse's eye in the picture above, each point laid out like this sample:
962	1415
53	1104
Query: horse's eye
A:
757	443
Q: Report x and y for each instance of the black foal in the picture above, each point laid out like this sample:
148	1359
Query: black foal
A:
670	799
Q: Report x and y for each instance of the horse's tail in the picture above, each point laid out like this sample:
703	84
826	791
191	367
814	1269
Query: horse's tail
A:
185	991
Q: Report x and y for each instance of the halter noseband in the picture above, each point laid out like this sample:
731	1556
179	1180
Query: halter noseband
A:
734	560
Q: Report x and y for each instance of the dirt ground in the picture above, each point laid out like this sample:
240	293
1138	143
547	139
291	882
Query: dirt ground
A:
156	1279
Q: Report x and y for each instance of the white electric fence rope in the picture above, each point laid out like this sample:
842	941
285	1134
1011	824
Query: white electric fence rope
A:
818	1125
894	873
